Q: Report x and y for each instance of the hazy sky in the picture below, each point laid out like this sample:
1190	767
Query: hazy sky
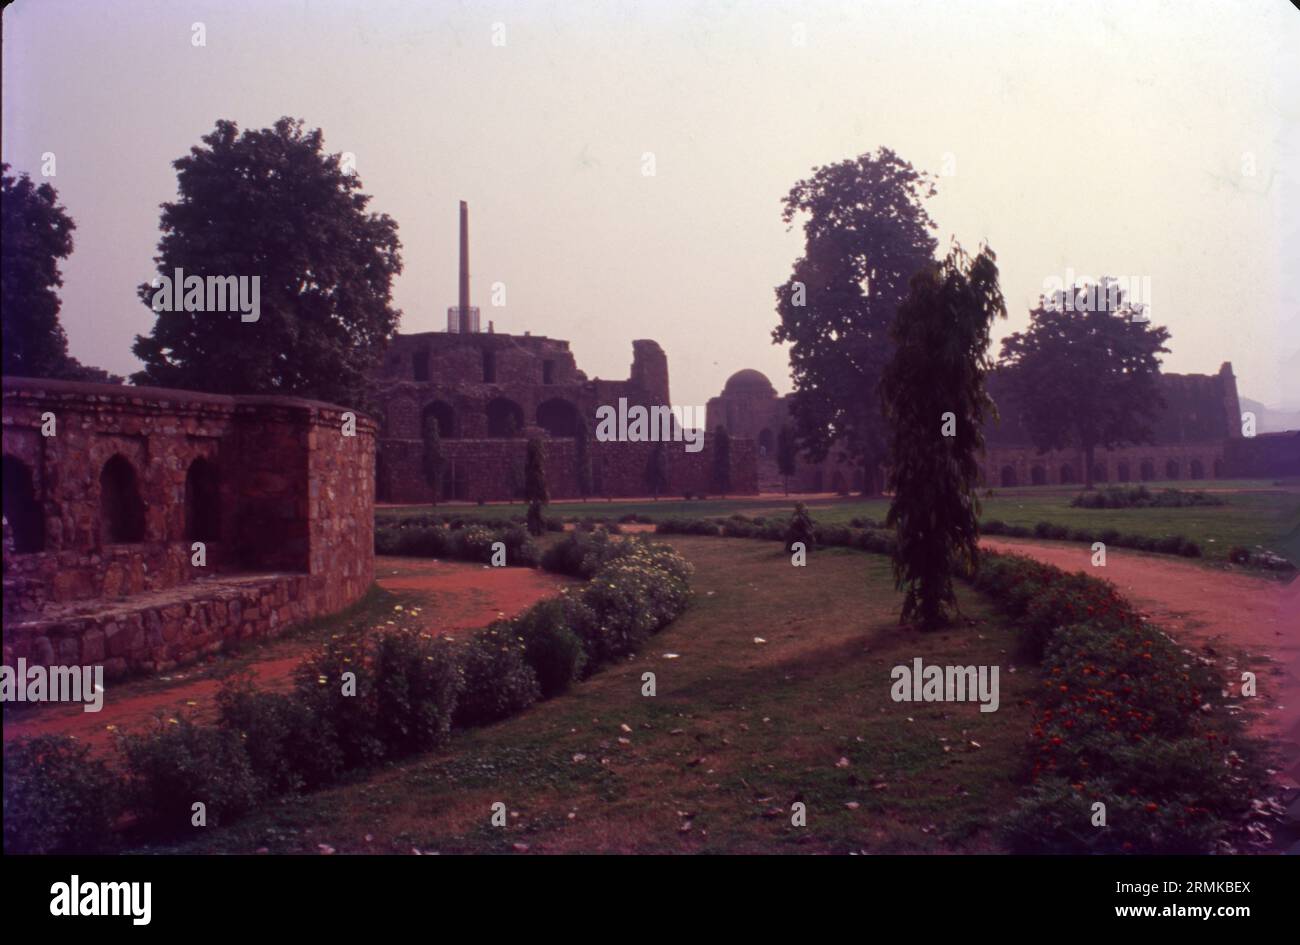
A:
1098	137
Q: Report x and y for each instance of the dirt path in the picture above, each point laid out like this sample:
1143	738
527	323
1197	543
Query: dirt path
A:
451	596
1249	623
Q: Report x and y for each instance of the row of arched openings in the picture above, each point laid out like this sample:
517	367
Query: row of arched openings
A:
121	507
505	418
1147	472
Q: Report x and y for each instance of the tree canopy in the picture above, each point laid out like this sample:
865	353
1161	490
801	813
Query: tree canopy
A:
866	232
1086	376
272	204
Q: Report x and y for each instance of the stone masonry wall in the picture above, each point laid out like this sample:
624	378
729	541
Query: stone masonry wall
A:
293	520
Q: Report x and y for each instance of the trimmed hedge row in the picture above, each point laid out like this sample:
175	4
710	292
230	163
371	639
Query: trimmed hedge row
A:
406	693
471	543
1126	718
1169	544
1139	497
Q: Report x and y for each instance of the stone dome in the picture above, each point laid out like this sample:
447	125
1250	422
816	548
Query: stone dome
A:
749	383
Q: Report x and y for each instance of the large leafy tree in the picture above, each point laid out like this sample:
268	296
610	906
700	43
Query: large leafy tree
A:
938	368
1087	375
271	203
37	234
866	232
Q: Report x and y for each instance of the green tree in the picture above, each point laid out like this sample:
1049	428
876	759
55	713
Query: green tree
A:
272	204
721	461
1086	372
935	403
582	458
865	233
434	462
37	233
535	492
656	470
787	454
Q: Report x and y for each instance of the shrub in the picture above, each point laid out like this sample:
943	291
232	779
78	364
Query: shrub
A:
56	798
352	718
686	526
1239	555
180	764
734	528
800	528
498	681
833	535
551	646
418	679
994	526
288	748
1140	497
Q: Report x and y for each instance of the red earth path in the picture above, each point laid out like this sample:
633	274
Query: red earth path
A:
451	596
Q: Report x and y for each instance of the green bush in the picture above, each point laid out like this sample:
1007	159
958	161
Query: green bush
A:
180	764
418	679
498	681
346	706
57	799
686	526
551	646
800	528
1140	497
288	748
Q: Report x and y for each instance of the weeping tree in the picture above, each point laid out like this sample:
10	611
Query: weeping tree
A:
433	461
934	402
721	461
535	493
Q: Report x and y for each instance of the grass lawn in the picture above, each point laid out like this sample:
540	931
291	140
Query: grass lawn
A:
1258	513
737	733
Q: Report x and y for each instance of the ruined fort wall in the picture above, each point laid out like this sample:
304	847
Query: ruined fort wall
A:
481	469
292	539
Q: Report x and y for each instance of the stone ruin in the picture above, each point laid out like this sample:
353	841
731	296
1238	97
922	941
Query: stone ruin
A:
107	490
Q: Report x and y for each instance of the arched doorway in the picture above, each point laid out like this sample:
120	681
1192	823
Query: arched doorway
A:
1171	469
1197	469
1148	470
1038	475
1123	472
1067	474
1099	472
765	442
21	510
1008	477
121	510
